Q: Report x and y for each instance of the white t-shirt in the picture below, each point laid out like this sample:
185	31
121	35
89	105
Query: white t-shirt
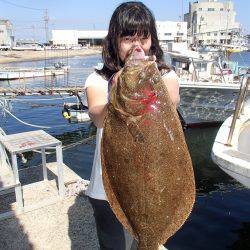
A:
95	189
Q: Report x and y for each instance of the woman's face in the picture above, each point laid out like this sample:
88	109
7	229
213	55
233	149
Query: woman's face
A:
126	43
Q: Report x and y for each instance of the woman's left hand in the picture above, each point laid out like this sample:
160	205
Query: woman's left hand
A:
115	77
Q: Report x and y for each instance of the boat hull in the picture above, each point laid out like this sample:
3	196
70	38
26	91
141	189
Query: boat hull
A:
234	159
208	103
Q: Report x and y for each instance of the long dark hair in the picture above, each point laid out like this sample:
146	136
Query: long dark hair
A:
129	19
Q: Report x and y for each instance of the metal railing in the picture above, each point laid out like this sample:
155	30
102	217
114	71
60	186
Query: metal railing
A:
245	82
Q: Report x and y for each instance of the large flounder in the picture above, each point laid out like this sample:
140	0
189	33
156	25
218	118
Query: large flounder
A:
147	171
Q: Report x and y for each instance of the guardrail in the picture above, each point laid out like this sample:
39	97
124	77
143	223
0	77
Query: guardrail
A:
245	82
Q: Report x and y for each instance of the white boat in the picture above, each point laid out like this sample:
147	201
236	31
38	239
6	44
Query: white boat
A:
19	73
208	91
32	47
231	149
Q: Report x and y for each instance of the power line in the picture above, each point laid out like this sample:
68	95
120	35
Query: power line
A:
20	6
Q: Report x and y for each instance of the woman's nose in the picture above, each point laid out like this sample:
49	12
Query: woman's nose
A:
137	42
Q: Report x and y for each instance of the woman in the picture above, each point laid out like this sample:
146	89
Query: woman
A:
132	24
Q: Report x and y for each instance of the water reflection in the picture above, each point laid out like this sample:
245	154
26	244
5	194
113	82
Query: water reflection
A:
209	177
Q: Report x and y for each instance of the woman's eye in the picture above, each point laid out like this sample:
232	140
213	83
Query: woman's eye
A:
127	38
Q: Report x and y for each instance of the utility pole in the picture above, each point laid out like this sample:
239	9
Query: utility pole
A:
182	15
46	25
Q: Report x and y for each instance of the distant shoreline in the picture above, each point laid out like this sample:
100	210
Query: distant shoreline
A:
23	56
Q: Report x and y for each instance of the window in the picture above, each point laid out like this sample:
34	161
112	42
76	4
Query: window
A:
208	34
221	9
167	34
180	34
210	9
201	66
200	9
216	34
222	33
208	41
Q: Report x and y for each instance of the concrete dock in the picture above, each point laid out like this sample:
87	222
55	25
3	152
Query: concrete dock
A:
50	222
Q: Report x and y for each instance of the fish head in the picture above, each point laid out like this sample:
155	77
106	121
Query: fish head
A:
135	86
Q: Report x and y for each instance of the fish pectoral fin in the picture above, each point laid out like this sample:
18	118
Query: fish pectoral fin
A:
135	130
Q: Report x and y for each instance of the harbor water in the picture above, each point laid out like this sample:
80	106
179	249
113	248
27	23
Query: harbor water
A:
221	215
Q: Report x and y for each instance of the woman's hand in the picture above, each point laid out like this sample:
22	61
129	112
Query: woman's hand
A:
115	77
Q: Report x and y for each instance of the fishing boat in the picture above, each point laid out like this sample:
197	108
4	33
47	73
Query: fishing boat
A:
9	73
208	90
76	112
231	148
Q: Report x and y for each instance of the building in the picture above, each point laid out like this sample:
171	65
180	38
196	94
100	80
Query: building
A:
171	31
212	22
172	35
167	32
74	37
6	37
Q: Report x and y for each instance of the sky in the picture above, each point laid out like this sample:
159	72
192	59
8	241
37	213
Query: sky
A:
27	16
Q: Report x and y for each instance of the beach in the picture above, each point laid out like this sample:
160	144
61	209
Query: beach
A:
20	56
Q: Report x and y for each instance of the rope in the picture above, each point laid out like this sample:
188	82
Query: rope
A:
2	150
25	123
29	124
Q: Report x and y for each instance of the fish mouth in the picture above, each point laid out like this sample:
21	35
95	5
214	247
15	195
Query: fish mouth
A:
135	53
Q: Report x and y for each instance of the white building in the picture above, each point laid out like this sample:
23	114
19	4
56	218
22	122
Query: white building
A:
6	37
172	35
167	32
212	22
74	37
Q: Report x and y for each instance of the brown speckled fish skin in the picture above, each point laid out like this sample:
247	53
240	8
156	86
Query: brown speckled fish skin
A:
147	170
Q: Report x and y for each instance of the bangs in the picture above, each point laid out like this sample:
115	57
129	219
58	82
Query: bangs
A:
133	25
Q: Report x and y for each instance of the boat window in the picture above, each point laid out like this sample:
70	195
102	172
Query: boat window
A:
201	66
210	9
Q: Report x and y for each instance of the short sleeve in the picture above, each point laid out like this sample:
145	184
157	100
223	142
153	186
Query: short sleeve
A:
95	80
171	75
